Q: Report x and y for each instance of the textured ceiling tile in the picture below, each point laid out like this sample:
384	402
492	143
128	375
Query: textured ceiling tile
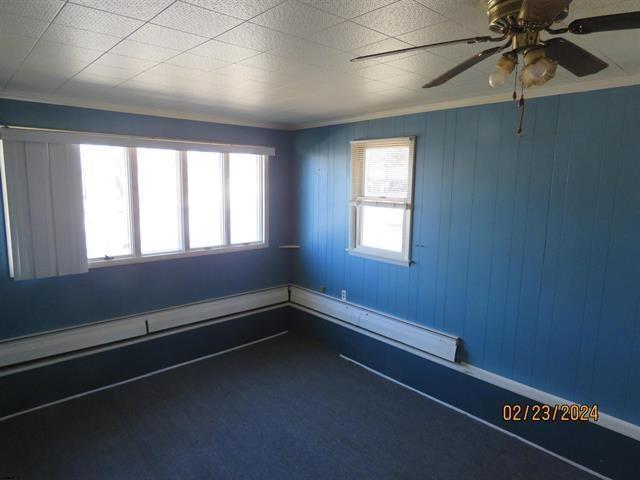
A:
237	8
411	81
383	46
308	52
424	63
26	80
88	77
173	72
256	37
79	38
39	65
124	62
17	25
381	71
374	86
77	16
347	36
296	18
440	32
53	49
223	51
166	37
197	20
274	63
589	8
311	53
348	8
14	46
257	74
398	18
460	52
41	9
451	8
296	81
140	9
119	74
144	51
85	86
189	60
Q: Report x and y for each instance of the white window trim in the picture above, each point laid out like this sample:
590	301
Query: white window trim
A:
402	258
185	251
27	134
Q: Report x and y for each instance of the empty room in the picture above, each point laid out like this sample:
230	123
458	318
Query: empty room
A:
320	239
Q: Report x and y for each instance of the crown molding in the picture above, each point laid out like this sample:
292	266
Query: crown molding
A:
481	100
156	112
243	122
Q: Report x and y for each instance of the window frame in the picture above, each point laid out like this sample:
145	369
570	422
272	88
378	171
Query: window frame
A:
185	250
357	201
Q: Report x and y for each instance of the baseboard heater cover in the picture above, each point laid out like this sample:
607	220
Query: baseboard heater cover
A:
424	339
49	344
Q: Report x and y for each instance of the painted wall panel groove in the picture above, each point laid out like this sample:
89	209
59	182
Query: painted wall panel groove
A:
47	304
528	248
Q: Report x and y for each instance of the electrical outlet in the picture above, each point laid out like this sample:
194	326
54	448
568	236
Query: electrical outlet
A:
343	295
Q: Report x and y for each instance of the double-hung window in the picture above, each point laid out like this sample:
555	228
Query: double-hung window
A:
381	198
152	203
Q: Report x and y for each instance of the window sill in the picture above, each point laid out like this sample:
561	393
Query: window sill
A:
379	257
175	255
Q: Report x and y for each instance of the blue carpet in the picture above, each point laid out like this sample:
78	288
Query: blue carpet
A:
287	408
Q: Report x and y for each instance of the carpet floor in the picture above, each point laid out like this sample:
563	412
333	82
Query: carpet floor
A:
286	408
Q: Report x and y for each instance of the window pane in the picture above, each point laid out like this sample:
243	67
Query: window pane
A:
105	184
244	197
386	172
159	193
206	218
382	227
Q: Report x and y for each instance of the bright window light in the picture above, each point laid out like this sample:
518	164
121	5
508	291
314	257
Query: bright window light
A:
145	204
206	199
159	196
245	197
386	172
107	213
382	228
381	199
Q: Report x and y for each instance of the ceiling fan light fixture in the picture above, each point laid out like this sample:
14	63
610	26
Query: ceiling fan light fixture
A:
538	69
506	64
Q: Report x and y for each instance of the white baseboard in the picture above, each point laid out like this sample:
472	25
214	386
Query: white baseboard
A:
424	339
69	340
342	313
478	419
430	344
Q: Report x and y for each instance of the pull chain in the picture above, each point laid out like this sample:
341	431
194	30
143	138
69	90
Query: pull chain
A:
521	105
515	82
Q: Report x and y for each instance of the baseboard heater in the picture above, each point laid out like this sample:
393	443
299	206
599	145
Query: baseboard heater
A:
34	347
415	336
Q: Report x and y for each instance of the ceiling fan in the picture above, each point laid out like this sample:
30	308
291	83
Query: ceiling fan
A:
519	24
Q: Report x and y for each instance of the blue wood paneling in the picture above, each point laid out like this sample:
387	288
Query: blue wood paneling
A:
40	305
527	248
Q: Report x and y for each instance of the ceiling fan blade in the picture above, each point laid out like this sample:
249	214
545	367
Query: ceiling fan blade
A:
572	57
541	11
458	69
429	45
606	23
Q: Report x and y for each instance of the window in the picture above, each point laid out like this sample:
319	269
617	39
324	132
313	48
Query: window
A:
381	198
151	203
159	200
107	213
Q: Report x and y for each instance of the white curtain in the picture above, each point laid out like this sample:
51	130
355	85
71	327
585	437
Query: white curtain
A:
43	205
